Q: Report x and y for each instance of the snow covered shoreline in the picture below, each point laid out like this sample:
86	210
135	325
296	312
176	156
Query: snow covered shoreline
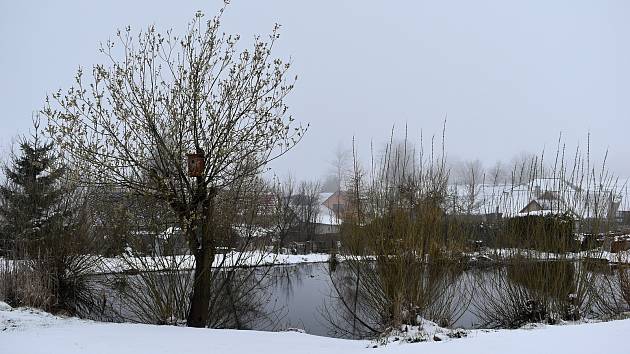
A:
29	331
622	257
187	262
261	259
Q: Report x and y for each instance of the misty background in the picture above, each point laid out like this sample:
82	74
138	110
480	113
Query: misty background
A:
508	77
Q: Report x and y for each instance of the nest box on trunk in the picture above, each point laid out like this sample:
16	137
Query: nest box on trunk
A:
196	164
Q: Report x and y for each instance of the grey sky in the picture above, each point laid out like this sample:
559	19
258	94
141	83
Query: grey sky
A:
509	75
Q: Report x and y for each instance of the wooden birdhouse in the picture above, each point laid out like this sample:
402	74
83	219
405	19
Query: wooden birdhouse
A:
196	164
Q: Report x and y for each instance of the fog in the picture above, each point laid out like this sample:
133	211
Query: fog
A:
506	78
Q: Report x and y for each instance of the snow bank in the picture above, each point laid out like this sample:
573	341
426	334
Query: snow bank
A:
506	253
186	262
427	331
26	331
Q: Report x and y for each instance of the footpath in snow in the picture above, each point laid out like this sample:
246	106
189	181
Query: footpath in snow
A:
28	331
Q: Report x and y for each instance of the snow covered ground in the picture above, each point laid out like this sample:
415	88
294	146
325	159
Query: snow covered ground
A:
241	259
186	262
28	331
248	259
505	253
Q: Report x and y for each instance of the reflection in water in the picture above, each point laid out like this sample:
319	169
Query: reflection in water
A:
310	297
300	291
239	298
370	297
532	291
613	290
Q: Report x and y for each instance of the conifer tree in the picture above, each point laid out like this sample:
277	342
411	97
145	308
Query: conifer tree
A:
29	210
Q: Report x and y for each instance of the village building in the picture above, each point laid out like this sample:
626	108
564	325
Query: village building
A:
541	196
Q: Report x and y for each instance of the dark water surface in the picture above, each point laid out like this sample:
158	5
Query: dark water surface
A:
303	296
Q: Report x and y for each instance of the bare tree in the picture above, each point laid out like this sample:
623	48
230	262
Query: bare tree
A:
472	176
158	291
160	97
284	217
525	167
498	174
306	204
340	166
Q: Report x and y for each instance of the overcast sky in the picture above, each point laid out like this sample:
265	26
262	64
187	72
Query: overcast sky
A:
510	76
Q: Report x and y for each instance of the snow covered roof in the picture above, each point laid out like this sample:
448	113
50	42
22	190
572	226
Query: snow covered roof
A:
552	194
327	216
323	197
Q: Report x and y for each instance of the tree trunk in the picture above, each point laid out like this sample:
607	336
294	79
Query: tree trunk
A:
202	286
204	257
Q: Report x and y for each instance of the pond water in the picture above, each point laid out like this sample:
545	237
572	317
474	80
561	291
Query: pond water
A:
306	298
311	298
301	292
